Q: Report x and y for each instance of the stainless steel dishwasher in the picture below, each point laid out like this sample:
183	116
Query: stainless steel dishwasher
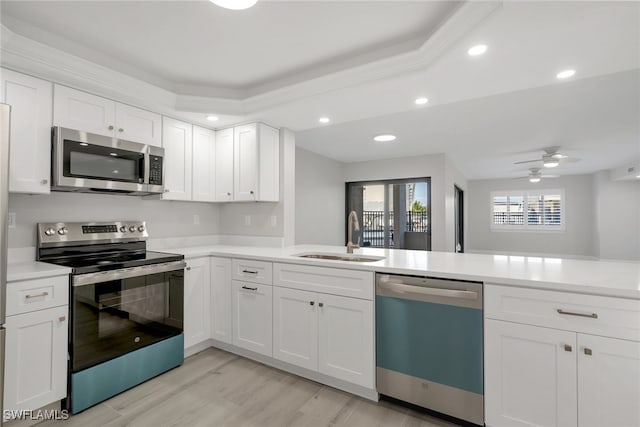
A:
429	344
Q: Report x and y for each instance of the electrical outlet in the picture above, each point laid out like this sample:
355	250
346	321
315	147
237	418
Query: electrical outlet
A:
247	220
196	219
274	220
12	220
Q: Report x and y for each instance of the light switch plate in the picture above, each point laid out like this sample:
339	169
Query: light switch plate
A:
247	220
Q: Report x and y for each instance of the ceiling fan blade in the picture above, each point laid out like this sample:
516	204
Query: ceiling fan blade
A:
527	161
569	160
550	176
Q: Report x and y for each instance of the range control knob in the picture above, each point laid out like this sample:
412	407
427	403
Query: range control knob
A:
132	228
50	231
123	229
141	228
63	231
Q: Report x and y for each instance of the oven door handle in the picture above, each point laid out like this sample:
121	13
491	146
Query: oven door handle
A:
125	273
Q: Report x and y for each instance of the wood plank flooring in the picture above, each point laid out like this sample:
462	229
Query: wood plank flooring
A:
216	388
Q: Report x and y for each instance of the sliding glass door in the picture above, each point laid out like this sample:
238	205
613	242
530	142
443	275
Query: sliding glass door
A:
392	213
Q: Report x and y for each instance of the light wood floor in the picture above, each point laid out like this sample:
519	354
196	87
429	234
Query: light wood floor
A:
216	388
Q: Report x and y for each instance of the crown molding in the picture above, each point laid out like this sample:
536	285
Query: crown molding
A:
28	56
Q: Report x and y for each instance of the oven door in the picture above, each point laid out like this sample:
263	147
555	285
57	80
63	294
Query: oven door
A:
92	162
119	311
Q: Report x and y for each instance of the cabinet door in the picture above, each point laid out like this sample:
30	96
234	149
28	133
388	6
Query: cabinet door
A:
177	140
245	186
608	382
197	300
224	165
530	375
295	327
345	340
31	109
82	111
252	317
269	168
204	145
135	124
221	300
35	366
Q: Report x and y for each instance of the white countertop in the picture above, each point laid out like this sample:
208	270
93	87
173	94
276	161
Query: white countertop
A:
607	278
34	270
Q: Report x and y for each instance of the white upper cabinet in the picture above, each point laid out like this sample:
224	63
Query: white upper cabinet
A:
31	117
82	111
177	140
138	125
91	113
223	166
204	177
256	163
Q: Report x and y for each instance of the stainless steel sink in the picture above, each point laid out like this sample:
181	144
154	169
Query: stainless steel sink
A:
341	257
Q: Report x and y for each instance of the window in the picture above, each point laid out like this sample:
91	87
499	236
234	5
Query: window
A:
392	213
527	210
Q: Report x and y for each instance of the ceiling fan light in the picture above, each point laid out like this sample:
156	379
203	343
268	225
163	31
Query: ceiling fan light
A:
534	179
551	163
234	4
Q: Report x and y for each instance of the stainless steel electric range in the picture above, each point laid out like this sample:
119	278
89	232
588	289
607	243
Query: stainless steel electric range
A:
126	306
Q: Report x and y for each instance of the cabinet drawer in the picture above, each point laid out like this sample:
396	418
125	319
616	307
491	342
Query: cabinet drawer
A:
252	271
336	281
591	314
31	295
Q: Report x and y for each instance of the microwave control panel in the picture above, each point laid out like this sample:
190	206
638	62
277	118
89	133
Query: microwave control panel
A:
155	170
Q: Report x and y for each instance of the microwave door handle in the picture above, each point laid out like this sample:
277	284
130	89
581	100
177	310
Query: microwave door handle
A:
147	165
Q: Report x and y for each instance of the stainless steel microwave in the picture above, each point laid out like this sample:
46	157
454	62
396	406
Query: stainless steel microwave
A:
86	162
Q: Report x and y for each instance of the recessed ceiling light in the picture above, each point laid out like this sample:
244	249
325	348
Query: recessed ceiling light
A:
565	74
534	179
478	49
384	138
324	120
212	118
235	4
421	101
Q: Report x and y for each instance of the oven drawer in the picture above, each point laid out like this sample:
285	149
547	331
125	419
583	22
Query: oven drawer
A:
32	295
252	271
591	314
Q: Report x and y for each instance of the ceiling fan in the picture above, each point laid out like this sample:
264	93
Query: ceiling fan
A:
551	158
536	176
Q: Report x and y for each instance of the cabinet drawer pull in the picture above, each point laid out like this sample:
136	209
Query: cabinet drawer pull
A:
249	289
120	130
43	294
573	313
588	351
249	271
568	348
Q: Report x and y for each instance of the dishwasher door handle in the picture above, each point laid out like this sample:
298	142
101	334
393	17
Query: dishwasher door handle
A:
402	288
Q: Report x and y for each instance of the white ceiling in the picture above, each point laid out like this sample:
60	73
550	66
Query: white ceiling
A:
362	63
194	47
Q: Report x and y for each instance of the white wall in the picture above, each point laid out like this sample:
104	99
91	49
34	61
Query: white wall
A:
412	167
320	198
575	240
617	213
164	218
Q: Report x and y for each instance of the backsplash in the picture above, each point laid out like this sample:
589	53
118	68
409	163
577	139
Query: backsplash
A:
164	218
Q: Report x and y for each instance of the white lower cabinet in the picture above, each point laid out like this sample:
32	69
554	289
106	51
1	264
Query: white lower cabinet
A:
197	302
530	375
559	370
608	382
295	327
345	339
36	358
221	299
252	316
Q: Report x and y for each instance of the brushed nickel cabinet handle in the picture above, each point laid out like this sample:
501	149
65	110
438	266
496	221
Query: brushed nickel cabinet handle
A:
42	294
120	130
62	318
588	351
320	304
311	303
110	127
188	268
568	348
249	271
574	313
249	289
44	182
